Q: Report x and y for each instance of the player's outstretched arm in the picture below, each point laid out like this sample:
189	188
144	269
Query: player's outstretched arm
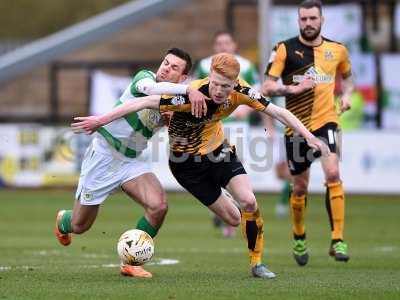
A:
91	123
197	98
287	118
271	87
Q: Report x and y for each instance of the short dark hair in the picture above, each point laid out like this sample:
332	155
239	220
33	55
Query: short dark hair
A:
183	55
223	32
310	4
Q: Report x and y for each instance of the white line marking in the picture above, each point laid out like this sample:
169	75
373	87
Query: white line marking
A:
156	261
8	268
386	249
164	262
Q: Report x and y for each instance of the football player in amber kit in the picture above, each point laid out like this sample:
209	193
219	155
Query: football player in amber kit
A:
293	60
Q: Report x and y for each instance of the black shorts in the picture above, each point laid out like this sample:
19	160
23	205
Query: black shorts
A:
300	156
204	176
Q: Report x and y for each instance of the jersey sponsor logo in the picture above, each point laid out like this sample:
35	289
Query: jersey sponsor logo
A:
178	100
317	75
299	53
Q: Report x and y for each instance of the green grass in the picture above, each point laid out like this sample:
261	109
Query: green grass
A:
34	266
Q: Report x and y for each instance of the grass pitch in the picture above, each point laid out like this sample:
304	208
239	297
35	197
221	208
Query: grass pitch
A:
34	266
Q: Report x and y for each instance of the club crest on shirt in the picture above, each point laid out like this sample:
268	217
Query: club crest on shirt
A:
86	195
226	105
328	55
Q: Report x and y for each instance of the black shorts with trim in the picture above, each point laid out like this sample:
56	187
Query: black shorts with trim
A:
300	156
204	175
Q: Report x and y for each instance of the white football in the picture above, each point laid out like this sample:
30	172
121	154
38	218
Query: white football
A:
135	247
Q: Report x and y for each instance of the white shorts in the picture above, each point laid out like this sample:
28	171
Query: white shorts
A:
102	173
279	149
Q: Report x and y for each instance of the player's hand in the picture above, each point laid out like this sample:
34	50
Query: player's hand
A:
345	103
318	145
307	84
86	125
198	102
166	117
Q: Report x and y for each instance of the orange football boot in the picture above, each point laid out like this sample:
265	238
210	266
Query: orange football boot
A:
134	271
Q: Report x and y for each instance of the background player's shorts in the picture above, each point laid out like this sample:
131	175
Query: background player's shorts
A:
102	173
300	156
204	177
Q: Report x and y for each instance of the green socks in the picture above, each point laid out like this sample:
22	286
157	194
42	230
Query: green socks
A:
64	224
285	193
144	225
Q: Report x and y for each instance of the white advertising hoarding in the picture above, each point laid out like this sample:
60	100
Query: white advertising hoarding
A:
390	64
106	90
370	161
43	156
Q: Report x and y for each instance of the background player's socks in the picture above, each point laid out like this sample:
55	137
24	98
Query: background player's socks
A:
298	208
64	223
335	206
252	226
285	193
282	207
144	225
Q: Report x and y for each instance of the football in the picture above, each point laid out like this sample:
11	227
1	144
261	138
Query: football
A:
135	247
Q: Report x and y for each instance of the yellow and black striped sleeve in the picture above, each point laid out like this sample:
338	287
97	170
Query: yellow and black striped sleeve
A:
276	63
344	66
179	103
249	96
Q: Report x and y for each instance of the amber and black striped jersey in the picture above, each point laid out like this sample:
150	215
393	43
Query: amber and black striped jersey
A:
200	136
292	61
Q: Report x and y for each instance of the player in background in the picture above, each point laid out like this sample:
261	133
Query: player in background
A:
112	160
224	42
310	54
201	161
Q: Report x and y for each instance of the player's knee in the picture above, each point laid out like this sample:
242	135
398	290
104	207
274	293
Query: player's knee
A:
249	202
300	188
332	175
158	209
162	208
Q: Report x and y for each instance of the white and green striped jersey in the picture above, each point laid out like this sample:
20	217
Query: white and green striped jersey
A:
248	71
130	135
